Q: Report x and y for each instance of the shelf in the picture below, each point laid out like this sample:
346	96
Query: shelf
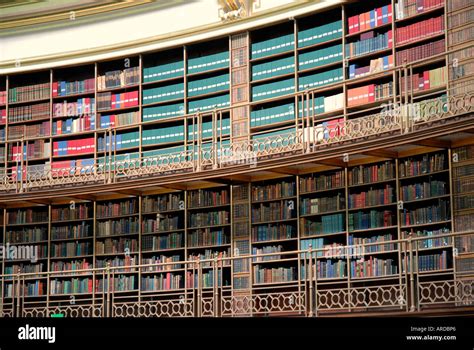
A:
370	54
208	226
446	171
118	88
171	211
158	103
210	71
78	94
274	241
427	224
323	213
208	94
273	200
30	121
274	261
70	220
372	207
419	40
116	216
162	232
117	235
386	277
382	26
313	46
426	199
71	257
324	66
117	109
271	57
322	191
48	99
318	235
374	229
225	245
421	14
276	77
162	250
373	183
28	224
157	82
209	207
162	271
256	223
57	240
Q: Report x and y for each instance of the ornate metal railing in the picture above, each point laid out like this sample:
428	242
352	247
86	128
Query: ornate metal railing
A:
406	289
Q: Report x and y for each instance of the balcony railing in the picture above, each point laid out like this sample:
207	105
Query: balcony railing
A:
408	288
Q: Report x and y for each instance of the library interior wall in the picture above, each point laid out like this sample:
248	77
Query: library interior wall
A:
127	30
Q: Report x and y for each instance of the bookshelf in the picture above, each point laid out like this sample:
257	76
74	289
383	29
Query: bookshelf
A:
463	162
163	240
274	228
116	242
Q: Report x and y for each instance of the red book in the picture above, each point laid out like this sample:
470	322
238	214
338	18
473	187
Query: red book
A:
351	24
426	80
378	13
371	89
389	7
55	88
356	23
361	22
390	39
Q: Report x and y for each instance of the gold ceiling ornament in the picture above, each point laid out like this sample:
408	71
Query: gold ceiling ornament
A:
235	9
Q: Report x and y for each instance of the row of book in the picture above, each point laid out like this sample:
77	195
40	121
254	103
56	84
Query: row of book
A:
156	261
209	103
273	89
27	216
206	237
430	262
322	182
16	132
74	286
320	33
370	20
25	235
279	190
163	71
431	241
34	150
162	203
316	58
420	30
270	115
372	197
24	268
381	246
425	215
29	93
116	246
166	281
321	104
80	107
118	141
117	227
274	275
205	62
376	65
327	224
58	266
425	80
115	120
109	101
71	249
372	219
110	209
65	88
211	255
424	165
368	94
118	78
72	126
273	211
267	250
170	241
73	147
163	112
279	44
409	8
420	52
3	98
273	232
208	198
128	262
163	135
163	93
429	189
203	86
369	42
162	223
81	230
322	205
373	267
327	77
120	283
29	112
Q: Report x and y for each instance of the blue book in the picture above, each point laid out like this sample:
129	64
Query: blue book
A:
373	15
385	14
